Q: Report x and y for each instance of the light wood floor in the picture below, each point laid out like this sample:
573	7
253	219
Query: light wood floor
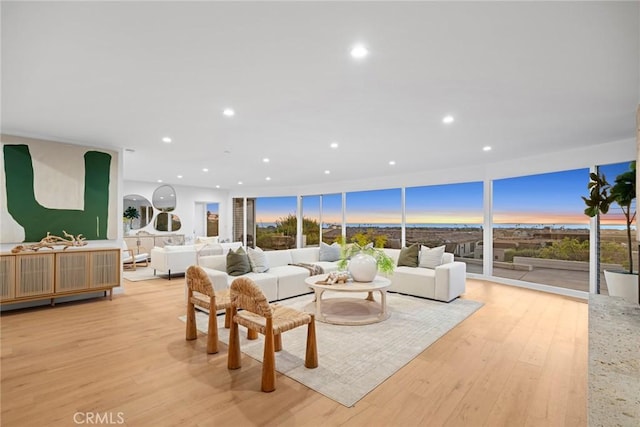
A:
521	360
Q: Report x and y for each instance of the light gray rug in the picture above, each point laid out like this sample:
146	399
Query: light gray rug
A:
353	360
140	273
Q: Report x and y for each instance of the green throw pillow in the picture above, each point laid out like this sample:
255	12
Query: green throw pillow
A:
409	256
238	262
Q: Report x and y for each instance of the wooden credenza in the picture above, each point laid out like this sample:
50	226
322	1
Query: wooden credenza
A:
48	274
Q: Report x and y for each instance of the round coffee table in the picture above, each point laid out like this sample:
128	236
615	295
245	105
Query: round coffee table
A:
349	311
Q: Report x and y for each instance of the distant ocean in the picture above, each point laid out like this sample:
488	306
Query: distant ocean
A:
466	226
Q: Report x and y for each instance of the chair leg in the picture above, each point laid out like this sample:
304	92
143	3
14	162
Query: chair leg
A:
277	341
251	334
212	332
192	332
268	362
311	358
233	358
227	318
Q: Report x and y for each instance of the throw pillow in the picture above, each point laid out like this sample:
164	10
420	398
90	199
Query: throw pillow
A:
238	262
409	256
329	252
258	260
431	257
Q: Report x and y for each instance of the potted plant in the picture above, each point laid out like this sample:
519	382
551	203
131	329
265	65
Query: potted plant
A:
623	193
363	260
130	214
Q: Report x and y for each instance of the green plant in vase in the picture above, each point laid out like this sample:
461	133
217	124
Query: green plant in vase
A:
362	245
130	214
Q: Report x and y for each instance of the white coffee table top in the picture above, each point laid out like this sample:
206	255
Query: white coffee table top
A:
377	284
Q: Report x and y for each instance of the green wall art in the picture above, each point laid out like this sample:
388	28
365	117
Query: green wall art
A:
36	219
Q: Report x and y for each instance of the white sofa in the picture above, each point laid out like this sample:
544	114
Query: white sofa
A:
444	283
281	281
175	259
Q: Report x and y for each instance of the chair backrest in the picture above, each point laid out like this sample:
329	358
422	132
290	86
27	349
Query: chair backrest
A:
247	295
198	281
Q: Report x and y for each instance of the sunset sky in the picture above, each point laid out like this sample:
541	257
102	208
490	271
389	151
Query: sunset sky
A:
552	198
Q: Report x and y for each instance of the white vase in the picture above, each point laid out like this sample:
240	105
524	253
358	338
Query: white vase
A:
622	284
363	267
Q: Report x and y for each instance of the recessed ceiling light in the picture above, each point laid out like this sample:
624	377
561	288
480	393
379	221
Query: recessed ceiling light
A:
159	180
327	172
334	145
486	148
266	160
205	170
392	162
359	51
217	186
447	119
268	178
166	139
239	182
229	112
179	176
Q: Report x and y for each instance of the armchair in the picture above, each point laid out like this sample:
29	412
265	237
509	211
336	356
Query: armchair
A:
131	260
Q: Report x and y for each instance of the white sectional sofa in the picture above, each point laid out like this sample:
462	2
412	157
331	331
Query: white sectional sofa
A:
444	283
280	281
176	259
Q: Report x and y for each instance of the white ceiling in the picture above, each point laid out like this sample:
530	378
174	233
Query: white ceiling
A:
520	77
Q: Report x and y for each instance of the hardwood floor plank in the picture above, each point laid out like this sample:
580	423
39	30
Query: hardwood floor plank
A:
520	359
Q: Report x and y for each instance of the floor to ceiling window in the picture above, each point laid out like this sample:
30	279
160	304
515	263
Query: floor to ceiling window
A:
212	219
310	221
375	214
276	222
449	215
331	217
540	233
614	246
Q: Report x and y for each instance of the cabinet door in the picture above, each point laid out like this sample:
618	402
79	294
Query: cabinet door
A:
72	271
105	269
7	277
34	275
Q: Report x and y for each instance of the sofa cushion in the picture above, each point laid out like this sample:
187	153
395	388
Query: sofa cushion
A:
409	256
329	252
431	257
258	260
279	258
238	262
304	255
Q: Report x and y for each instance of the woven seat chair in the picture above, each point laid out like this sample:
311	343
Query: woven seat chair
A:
269	320
202	294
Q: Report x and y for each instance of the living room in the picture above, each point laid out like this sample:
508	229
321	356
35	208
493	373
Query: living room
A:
392	117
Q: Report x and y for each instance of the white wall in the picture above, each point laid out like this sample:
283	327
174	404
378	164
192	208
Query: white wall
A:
186	199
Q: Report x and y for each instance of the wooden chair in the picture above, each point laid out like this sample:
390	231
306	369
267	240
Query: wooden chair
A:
269	320
202	294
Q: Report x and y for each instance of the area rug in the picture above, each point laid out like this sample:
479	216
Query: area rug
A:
139	274
354	360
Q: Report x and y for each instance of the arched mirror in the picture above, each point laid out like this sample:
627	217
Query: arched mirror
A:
164	198
137	212
167	222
